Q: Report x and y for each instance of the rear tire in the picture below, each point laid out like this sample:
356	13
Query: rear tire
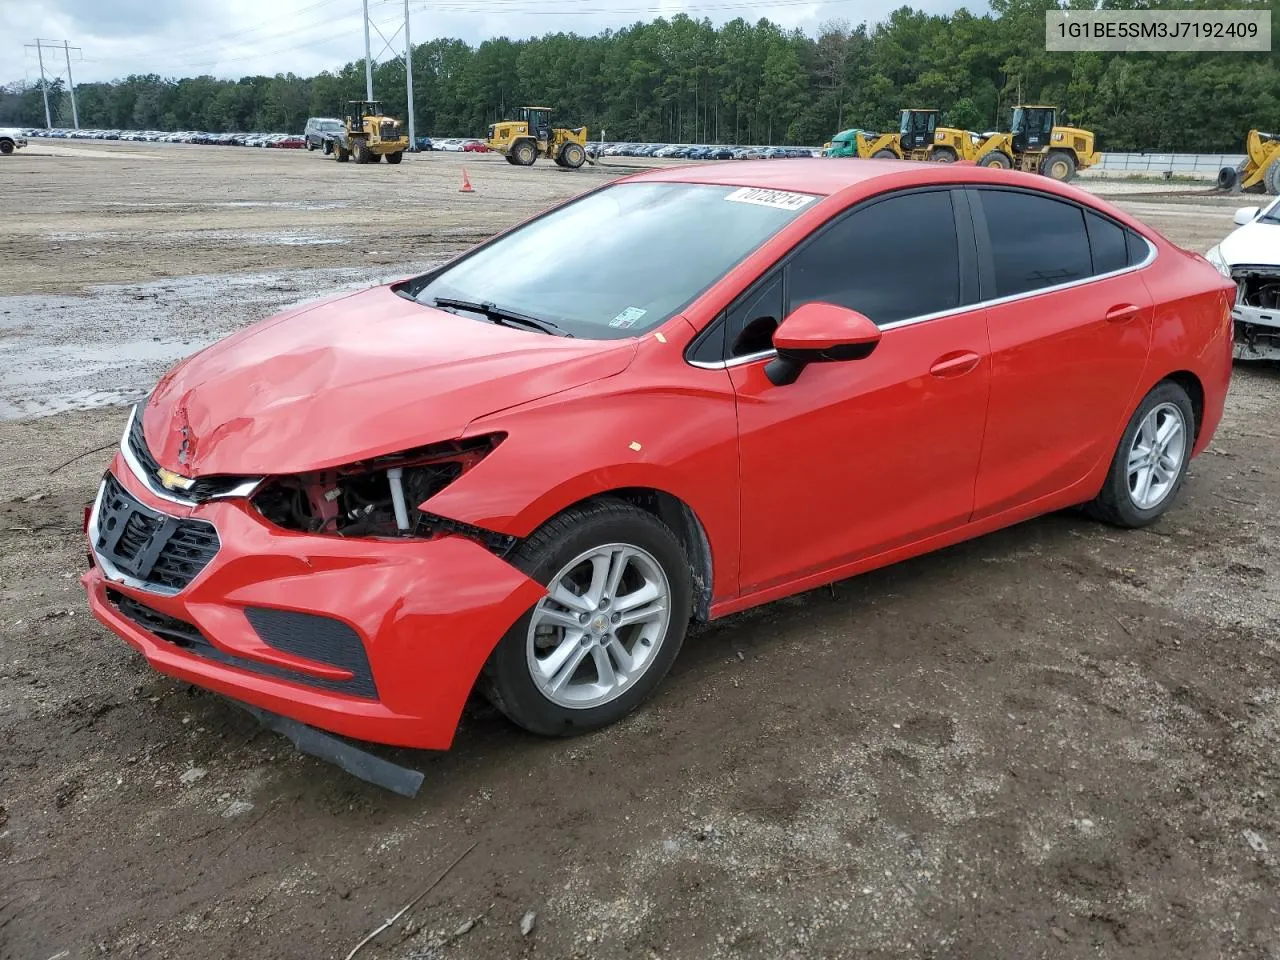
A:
1059	165
360	152
310	146
394	158
341	153
586	639
995	158
944	155
1147	471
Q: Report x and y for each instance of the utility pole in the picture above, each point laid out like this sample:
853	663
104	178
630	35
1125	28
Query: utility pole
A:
75	117
368	57
408	74
44	88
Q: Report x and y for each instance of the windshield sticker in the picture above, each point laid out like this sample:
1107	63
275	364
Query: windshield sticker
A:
628	317
781	199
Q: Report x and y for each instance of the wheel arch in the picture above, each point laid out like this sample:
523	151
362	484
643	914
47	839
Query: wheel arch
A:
684	523
1189	382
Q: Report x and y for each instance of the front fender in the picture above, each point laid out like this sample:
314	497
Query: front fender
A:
638	429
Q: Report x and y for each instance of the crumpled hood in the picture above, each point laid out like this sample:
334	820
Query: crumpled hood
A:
351	377
1254	243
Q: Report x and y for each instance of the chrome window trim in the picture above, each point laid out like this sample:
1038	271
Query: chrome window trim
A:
109	570
241	490
1150	258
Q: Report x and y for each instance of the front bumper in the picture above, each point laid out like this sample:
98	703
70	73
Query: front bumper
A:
426	613
1257	333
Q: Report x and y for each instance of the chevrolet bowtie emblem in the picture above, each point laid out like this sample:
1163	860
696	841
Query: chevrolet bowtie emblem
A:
174	481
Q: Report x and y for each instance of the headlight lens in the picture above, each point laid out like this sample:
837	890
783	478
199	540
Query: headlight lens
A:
1214	256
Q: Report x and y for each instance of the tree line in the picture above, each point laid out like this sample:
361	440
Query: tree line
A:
686	80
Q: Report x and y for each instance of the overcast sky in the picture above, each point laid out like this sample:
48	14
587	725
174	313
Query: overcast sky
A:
231	38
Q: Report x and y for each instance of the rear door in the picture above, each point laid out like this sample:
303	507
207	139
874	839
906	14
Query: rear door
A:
1070	323
857	457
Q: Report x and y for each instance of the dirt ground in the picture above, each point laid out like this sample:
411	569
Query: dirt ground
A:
1056	741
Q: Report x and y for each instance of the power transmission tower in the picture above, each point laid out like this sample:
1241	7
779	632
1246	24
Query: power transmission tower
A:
44	80
386	45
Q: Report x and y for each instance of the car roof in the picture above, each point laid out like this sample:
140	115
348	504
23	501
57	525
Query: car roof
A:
827	177
801	175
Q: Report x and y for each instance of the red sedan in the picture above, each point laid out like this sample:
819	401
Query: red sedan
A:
528	470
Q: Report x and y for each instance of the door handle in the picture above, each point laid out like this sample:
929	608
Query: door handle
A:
1122	313
955	364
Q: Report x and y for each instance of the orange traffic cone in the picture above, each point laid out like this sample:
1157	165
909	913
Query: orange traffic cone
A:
466	183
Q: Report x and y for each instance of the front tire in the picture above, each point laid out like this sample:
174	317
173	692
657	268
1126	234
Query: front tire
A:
525	153
598	644
1151	462
572	156
394	158
944	155
995	158
1272	177
6	147
884	155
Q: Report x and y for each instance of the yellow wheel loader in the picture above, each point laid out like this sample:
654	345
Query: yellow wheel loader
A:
913	140
1260	170
918	138
367	135
523	141
1036	144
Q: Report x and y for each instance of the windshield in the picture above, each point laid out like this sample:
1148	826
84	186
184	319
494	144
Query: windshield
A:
1271	214
619	261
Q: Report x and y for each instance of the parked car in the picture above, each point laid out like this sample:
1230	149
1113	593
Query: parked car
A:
424	143
1250	256
320	129
357	511
475	146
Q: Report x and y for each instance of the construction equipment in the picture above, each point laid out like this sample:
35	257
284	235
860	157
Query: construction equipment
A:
1259	172
367	135
912	141
918	138
523	141
844	143
1036	144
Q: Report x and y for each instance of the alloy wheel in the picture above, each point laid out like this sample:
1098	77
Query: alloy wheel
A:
1156	456
600	626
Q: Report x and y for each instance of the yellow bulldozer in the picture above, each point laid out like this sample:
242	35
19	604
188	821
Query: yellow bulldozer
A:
367	135
1260	170
1036	144
523	141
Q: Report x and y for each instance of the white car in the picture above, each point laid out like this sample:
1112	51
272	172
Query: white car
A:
11	139
1251	257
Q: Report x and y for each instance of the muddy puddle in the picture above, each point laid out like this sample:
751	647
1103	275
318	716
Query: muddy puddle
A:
60	353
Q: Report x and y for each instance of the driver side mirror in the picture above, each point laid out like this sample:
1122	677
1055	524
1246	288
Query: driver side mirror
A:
1245	215
819	333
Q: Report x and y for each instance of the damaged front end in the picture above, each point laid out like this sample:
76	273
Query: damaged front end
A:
382	496
1256	312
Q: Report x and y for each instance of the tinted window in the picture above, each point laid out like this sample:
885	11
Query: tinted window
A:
1035	241
754	318
895	259
1108	243
1137	248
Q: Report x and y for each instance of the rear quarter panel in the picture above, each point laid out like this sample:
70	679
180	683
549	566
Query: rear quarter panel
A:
1191	330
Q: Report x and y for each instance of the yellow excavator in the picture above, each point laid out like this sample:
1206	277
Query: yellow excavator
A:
523	141
1260	169
1036	144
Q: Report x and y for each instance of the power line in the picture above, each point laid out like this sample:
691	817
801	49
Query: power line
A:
40	46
